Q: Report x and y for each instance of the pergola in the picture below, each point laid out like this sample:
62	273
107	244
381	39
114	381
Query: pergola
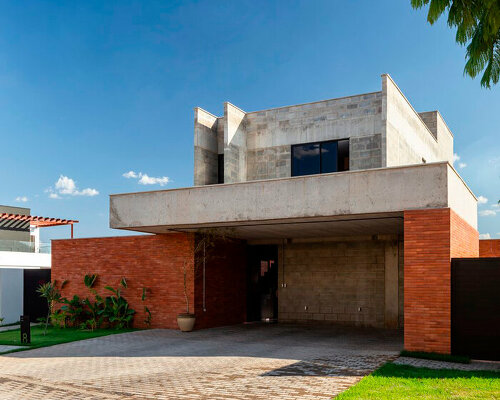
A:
22	222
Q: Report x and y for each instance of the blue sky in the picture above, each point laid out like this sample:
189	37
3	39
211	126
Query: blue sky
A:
90	90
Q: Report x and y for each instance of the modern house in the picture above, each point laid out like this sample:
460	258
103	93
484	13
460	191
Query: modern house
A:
342	211
24	262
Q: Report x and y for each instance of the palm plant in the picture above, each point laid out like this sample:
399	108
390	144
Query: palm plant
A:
52	294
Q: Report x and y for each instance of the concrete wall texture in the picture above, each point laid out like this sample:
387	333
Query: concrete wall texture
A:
383	128
351	282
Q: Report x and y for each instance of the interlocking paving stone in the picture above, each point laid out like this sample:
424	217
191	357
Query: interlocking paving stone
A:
433	364
238	362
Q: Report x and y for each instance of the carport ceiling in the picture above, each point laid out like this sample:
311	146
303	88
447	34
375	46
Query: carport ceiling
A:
306	229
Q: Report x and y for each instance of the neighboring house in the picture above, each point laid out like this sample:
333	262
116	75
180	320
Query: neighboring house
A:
346	210
24	262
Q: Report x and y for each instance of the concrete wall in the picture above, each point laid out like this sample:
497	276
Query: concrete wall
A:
235	145
350	282
205	147
353	192
383	128
270	133
407	138
11	294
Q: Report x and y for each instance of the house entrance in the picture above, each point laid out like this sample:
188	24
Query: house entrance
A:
262	281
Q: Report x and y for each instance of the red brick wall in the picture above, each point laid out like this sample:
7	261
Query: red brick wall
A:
464	238
489	248
431	239
153	261
225	285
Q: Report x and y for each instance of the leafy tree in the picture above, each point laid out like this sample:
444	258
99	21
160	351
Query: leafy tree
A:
478	27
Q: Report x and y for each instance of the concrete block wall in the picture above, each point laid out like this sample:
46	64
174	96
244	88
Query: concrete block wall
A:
407	138
269	163
341	282
205	147
382	127
235	145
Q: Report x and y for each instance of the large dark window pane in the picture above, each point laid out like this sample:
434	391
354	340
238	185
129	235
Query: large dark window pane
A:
305	159
328	157
343	155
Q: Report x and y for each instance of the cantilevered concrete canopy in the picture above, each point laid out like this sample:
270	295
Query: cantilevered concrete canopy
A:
345	203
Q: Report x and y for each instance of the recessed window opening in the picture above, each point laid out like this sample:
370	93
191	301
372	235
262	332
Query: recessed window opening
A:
320	158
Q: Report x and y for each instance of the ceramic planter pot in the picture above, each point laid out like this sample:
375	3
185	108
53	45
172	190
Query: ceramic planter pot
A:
186	322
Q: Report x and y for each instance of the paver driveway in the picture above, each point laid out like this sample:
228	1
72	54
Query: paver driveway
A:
237	362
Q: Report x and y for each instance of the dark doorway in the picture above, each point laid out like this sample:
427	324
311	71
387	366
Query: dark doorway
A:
475	307
262	281
34	305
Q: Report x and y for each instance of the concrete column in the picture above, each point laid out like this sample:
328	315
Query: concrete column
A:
391	285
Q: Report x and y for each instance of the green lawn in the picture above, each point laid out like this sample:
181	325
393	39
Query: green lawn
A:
393	381
54	336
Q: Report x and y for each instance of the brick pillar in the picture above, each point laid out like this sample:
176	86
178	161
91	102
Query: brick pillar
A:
431	238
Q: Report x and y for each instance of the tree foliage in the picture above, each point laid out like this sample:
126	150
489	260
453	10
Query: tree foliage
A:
478	27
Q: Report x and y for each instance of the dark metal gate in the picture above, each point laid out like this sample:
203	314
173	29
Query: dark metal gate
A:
475	307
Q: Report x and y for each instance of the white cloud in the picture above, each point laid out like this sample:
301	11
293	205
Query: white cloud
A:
462	165
145	179
456	157
88	192
484	236
67	186
130	174
151	180
21	199
487	213
482	200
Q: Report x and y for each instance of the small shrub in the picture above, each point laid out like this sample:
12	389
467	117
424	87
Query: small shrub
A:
74	309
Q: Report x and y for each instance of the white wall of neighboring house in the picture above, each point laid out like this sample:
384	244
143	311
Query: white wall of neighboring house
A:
11	294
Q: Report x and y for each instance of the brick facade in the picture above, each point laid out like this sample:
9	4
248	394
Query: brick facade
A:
431	238
489	248
155	262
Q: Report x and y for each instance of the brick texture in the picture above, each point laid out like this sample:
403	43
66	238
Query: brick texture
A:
225	285
431	238
154	262
489	248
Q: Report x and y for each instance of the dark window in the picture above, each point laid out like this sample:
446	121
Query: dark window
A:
305	159
324	157
343	155
329	161
220	168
